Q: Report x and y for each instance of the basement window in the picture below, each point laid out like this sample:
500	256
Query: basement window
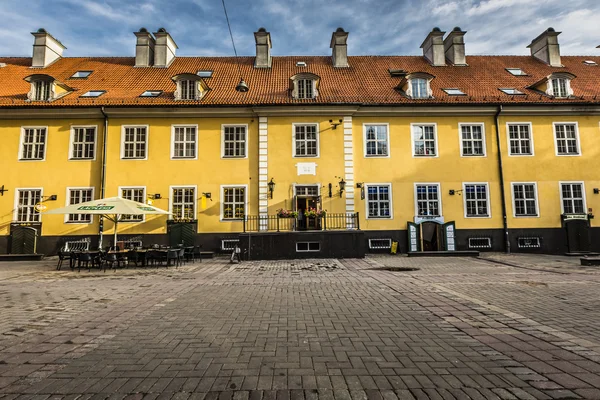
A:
454	92
229	244
590	62
516	71
151	93
511	91
93	93
300	63
81	74
480	243
380	244
303	247
204	74
529	242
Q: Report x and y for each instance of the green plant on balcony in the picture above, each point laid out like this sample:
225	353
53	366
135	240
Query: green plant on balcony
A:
314	212
281	213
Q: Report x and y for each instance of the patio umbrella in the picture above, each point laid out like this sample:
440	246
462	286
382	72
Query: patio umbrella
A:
112	208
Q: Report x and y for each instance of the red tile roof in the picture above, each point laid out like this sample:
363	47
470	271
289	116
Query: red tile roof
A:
367	81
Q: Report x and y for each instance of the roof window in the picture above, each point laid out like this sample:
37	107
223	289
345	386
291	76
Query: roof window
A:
516	71
590	62
454	92
511	91
2	65
205	74
93	93
81	74
151	93
397	72
300	63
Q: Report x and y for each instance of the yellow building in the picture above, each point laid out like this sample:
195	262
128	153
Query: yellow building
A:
436	152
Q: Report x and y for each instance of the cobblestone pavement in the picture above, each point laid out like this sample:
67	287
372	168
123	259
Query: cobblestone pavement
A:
500	327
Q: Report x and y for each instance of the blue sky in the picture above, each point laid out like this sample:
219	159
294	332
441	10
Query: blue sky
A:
303	27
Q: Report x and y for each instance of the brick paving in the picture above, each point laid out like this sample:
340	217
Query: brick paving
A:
502	327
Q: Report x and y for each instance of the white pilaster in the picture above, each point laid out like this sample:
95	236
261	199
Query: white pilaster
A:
349	167
263	202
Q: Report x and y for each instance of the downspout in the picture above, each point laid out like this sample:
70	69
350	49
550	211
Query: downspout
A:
501	176
103	174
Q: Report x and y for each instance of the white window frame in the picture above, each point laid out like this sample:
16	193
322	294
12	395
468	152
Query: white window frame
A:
577	138
318	155
68	203
22	144
16	204
532	143
567	87
560	192
194	85
439	191
123	129
195	187
312	88
387	130
223	126
72	142
390	188
537	200
195	126
36	85
435	138
460	139
144	198
487	198
411	93
222	202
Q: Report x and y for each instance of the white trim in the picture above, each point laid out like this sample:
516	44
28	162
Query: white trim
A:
487	196
122	155
145	198
439	186
294	124
68	203
72	140
173	126
537	200
387	125
20	154
389	184
550	88
530	139
222	203
577	138
435	138
460	139
582	183
16	203
195	187
223	141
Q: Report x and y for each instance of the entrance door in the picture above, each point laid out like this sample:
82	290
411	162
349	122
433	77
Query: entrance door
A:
307	197
23	240
430	234
578	235
181	233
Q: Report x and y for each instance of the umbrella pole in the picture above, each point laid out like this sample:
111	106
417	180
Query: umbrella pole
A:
116	223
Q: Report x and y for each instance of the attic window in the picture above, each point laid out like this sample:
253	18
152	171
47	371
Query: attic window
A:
304	86
454	92
300	64
590	62
516	71
42	90
81	74
151	93
511	91
93	93
205	74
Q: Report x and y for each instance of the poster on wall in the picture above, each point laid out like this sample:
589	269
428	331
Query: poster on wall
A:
414	237
449	239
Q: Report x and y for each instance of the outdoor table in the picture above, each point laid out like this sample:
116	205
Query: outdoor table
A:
77	255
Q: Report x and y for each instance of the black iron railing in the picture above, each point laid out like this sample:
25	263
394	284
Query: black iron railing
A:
274	223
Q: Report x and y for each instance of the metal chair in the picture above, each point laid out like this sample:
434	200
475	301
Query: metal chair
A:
198	253
62	256
188	254
173	254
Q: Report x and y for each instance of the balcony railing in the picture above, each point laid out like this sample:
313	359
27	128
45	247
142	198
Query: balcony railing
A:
274	223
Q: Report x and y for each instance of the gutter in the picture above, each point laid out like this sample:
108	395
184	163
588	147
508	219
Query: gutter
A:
501	176
103	174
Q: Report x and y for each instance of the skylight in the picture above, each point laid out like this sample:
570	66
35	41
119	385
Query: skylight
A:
516	71
590	62
511	91
2	65
204	74
94	93
81	74
151	93
300	64
454	92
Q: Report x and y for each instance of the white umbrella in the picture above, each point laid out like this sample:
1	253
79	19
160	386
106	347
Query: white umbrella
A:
112	208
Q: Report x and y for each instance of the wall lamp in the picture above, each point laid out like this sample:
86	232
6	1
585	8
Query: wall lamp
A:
452	192
271	186
208	195
596	190
49	198
330	190
342	184
334	124
361	186
2	190
155	196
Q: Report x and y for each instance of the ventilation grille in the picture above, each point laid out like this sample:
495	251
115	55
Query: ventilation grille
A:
480	243
529	242
380	244
229	244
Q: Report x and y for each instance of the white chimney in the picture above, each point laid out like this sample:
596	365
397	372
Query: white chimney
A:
339	49
165	48
454	47
546	49
263	48
144	48
46	49
433	47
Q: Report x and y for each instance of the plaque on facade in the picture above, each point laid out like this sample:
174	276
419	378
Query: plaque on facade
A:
307	168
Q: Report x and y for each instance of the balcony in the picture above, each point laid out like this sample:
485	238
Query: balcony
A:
275	223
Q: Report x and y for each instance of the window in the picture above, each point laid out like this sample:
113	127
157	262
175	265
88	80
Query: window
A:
573	198
379	201
94	93
42	90
307	190
205	74
419	89
376	140
529	242
520	139
229	244
301	64
26	201
135	142
305	89
476	200
590	62
567	143
81	74
234	202
33	145
380	244
184	142
183	203
306	141
151	93
234	141
511	91
76	196
136	194
516	71
307	246
480	243
525	199
472	140
560	87
83	143
424	140
187	90
428	200
454	92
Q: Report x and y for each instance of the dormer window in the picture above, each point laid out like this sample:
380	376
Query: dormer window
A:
189	87
304	86
187	90
42	91
419	88
417	85
45	88
559	87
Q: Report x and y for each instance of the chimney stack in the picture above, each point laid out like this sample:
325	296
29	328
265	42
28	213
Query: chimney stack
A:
46	49
144	48
546	49
433	47
263	48
454	47
339	49
165	48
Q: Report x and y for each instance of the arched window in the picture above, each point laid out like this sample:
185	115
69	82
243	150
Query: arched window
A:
189	87
417	85
304	86
419	88
559	86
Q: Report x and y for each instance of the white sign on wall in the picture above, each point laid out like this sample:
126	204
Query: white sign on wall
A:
307	168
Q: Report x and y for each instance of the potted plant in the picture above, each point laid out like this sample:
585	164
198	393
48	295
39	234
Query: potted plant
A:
281	213
314	213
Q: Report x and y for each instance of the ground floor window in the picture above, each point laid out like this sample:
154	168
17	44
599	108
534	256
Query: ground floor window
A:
379	201
77	196
184	203
428	199
135	194
525	199
234	202
476	200
26	201
572	198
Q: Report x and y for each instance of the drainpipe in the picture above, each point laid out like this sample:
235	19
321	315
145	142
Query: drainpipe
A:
501	175
103	175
